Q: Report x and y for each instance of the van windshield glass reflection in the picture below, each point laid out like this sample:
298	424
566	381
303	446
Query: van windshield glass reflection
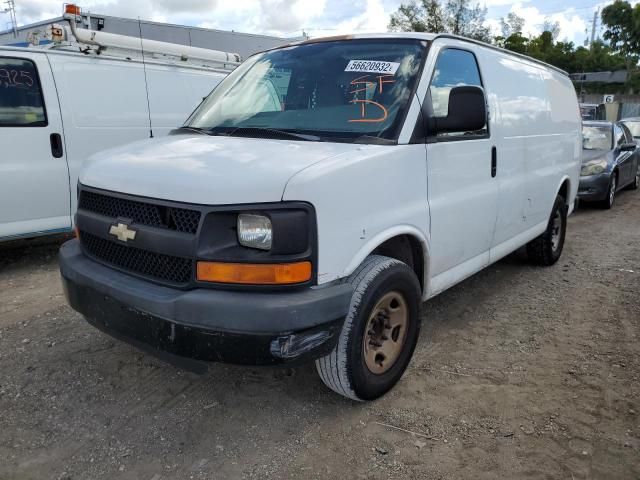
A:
332	90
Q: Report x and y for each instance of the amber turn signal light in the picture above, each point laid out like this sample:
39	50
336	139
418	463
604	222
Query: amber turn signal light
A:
254	273
71	9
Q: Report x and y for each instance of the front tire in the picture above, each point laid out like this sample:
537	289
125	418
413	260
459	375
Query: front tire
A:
379	333
546	249
611	193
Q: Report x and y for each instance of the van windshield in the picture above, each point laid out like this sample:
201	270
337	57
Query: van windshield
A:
334	90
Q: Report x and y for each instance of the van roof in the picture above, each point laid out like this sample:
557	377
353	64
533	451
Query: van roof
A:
428	37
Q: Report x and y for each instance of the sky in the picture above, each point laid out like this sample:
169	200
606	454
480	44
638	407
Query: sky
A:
288	18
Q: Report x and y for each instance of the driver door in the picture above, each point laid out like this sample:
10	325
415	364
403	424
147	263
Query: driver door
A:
462	190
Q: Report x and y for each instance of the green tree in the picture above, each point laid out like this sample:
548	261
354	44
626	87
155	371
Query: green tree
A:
516	42
622	22
462	17
434	17
465	19
598	58
459	17
425	16
511	25
551	27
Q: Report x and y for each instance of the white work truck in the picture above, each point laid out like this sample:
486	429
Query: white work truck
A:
86	92
318	196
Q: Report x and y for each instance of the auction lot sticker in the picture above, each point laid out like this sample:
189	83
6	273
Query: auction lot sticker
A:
372	66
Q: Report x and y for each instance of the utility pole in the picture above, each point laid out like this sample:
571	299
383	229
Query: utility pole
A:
11	10
593	27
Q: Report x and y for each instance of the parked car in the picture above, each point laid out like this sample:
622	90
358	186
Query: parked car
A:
592	111
58	107
633	124
319	195
610	162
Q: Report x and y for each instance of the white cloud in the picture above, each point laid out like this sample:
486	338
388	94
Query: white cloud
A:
500	3
374	19
571	21
259	16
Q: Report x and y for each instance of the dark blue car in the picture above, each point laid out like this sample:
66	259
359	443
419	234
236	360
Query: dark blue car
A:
610	162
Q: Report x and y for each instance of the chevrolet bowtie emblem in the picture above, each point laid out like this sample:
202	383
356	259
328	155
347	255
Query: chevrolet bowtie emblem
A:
123	232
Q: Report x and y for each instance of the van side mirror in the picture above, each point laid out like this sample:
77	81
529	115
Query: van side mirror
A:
467	111
628	147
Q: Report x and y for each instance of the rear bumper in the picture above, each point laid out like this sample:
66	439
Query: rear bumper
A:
594	187
205	324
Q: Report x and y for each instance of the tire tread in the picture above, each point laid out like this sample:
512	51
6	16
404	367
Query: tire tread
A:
332	370
539	249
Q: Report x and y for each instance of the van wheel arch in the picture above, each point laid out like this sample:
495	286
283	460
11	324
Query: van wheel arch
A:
407	249
564	190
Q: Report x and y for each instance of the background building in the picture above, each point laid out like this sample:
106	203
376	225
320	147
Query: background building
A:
245	44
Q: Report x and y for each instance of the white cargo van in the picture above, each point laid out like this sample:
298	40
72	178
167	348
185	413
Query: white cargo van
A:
319	195
58	107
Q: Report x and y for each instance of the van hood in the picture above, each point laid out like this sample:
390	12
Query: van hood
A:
206	169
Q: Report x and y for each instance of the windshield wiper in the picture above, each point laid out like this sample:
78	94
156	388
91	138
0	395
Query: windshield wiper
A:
373	140
261	132
186	129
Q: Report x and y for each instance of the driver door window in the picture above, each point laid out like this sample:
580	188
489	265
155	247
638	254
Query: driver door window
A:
454	68
619	138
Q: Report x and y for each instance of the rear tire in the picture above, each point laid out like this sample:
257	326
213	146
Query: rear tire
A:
546	249
379	332
611	193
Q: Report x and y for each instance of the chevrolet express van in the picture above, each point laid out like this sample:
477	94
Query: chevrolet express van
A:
318	196
59	105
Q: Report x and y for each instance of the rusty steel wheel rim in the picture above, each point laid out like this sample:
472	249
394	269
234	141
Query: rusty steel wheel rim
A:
385	333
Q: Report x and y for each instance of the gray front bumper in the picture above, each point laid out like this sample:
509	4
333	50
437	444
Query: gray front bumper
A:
594	187
206	324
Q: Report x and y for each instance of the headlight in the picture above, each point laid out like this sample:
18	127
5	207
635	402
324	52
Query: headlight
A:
255	231
593	168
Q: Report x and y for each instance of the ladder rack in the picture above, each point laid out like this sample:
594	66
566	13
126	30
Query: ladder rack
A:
91	42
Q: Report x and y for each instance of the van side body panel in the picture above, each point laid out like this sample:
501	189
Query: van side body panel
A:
536	130
534	124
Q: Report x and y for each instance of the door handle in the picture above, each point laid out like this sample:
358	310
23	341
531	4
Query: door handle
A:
56	145
494	162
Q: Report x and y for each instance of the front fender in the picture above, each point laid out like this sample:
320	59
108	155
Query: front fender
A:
374	242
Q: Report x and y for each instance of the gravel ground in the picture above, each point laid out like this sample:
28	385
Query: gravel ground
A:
520	372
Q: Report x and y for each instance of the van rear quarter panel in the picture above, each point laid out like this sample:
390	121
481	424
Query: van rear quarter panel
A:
536	127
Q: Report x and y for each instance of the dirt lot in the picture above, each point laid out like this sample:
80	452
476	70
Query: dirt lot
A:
520	372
